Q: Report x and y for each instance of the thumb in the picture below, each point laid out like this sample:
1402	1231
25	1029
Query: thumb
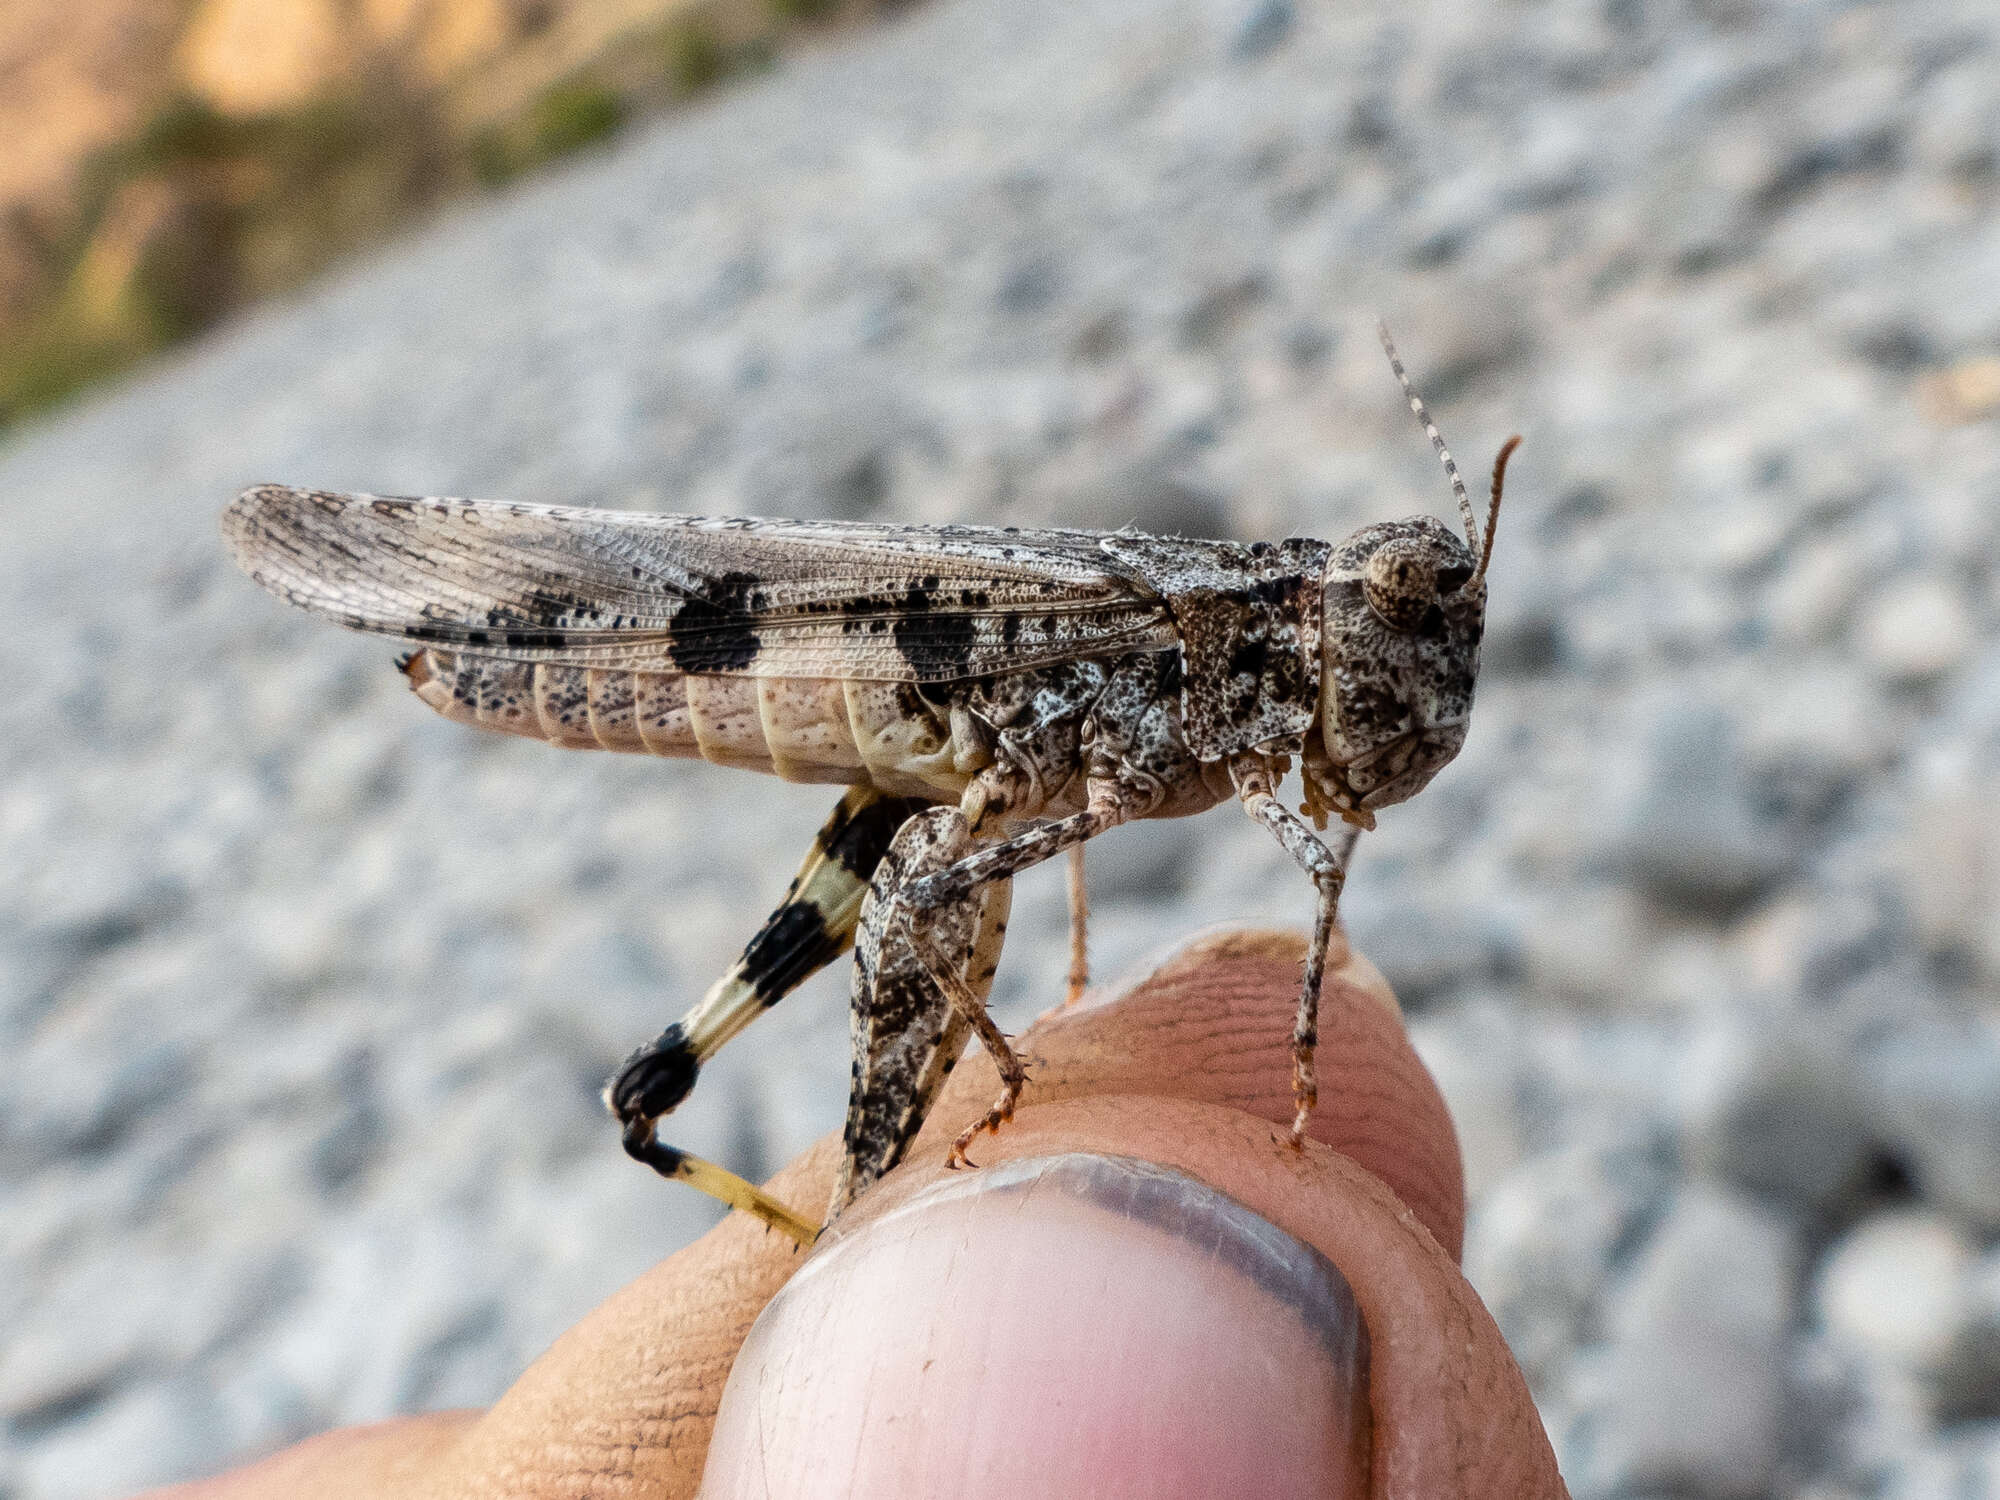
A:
1134	1297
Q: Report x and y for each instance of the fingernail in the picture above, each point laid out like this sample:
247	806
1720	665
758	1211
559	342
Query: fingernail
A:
1068	1325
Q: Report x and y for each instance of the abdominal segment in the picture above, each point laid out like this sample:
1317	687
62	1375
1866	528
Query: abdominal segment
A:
815	729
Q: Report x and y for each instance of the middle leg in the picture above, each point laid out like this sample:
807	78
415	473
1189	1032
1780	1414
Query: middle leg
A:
1079	927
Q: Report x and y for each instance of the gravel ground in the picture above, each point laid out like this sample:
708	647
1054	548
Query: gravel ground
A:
305	993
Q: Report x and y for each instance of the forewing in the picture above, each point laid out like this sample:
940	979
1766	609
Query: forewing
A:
643	592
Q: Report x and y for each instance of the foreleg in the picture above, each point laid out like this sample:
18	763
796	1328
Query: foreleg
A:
811	927
1328	868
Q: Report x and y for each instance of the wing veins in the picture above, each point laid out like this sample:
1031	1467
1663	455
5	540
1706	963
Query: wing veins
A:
680	593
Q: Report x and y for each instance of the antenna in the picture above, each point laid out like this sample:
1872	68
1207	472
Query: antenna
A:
1493	511
1437	441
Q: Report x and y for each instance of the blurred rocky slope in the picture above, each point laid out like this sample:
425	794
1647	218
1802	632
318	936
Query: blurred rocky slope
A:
306	993
168	162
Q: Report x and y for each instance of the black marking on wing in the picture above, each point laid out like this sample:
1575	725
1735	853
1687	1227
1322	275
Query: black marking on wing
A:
642	592
715	630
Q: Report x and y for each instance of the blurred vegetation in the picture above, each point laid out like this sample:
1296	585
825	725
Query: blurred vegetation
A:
200	213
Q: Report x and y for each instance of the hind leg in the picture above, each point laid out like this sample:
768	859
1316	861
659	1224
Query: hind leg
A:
923	910
811	927
909	1027
717	1182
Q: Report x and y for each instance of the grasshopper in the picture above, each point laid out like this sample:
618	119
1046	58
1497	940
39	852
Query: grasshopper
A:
991	697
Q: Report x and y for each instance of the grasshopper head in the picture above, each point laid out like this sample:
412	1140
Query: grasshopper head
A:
1405	606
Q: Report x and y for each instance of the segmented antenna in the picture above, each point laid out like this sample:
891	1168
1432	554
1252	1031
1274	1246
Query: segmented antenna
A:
1437	440
1493	511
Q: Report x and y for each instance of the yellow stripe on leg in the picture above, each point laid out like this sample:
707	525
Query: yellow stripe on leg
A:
720	1184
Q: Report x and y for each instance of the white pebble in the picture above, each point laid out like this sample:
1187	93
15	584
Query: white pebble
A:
1892	1285
1916	629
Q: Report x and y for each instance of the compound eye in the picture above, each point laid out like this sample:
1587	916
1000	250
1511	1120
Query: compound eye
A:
1401	584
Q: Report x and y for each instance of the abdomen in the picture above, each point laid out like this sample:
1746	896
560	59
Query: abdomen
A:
800	728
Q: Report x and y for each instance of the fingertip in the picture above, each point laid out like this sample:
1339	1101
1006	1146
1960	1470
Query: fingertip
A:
1074	1324
986	1351
1211	1021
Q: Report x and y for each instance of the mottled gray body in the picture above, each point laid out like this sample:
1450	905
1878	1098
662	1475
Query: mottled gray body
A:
992	697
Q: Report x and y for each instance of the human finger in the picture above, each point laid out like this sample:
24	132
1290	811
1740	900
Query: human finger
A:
633	1389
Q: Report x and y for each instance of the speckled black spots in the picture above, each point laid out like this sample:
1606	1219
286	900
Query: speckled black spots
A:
1354	551
907	1031
1280	592
1404	618
545	608
1250	624
714	632
1249	656
1343	594
1376	707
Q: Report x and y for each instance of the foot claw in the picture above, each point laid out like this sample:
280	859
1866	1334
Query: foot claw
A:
995	1118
